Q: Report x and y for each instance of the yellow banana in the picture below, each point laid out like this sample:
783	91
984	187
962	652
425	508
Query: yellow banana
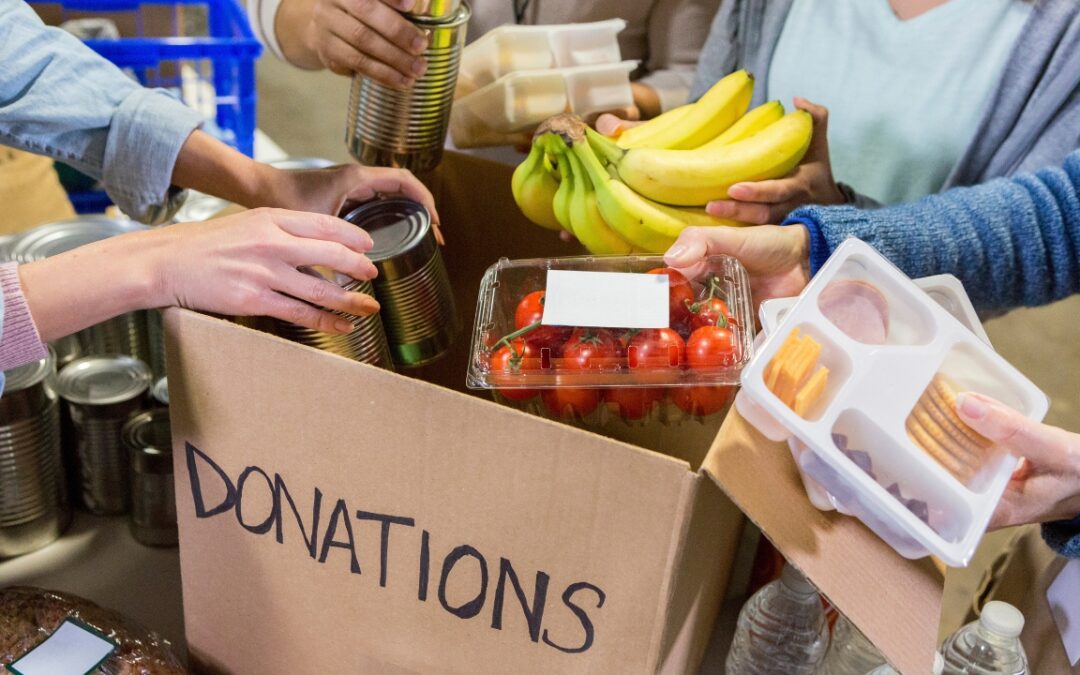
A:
534	189
714	112
749	124
589	226
695	177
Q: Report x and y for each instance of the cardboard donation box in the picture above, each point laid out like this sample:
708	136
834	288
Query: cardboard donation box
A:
335	517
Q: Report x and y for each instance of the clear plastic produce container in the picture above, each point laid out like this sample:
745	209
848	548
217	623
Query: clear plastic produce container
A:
882	441
510	48
616	341
519	101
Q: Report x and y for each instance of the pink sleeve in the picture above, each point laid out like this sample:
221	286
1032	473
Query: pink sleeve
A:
20	342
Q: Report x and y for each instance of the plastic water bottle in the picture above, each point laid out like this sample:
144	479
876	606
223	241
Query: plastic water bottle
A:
989	646
781	629
850	653
886	669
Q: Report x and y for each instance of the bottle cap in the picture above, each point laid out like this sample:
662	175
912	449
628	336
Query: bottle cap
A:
1002	618
793	579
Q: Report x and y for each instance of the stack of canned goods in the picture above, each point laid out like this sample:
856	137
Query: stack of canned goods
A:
148	440
391	127
366	343
34	507
102	392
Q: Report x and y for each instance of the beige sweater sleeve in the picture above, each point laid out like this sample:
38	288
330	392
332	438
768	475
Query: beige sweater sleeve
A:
677	30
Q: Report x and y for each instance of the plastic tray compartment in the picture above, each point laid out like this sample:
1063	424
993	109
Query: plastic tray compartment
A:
511	48
519	101
879	443
202	50
630	379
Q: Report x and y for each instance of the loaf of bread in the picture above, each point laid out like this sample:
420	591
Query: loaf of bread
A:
29	615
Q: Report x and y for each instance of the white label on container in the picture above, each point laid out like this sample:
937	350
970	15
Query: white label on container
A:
69	650
1064	597
606	299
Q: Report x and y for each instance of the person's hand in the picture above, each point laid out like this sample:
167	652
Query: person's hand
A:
246	265
337	188
612	125
1046	485
369	37
770	201
776	258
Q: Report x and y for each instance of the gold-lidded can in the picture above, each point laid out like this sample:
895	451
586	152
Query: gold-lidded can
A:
366	343
412	287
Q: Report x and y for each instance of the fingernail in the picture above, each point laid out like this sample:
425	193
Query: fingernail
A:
369	304
720	209
406	5
420	43
675	252
972	407
739	191
419	66
406	82
343	326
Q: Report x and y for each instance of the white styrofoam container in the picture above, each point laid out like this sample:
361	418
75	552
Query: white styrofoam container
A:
872	389
510	48
519	101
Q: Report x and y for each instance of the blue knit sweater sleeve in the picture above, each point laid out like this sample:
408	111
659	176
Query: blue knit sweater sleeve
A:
1011	241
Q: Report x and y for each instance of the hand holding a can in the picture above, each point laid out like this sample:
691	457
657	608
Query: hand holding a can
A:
243	265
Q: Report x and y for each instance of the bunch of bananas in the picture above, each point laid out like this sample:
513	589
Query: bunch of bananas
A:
638	192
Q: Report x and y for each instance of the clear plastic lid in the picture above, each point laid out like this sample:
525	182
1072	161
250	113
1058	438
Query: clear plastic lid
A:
610	322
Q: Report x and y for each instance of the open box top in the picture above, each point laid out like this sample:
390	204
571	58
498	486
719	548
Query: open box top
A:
433	475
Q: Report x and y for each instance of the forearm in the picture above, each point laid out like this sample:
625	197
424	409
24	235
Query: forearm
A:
93	283
208	165
1011	241
289	24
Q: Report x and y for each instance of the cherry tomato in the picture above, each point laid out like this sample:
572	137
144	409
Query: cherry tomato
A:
708	313
656	348
530	310
518	357
570	402
588	349
547	343
711	347
634	403
680	293
702	401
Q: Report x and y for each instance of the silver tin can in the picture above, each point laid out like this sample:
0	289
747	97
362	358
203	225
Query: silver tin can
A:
148	440
101	393
407	129
34	506
125	334
412	288
366	343
155	341
434	10
7	246
160	391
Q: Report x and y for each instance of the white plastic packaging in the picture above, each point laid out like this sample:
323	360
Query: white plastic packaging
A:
905	496
511	48
519	101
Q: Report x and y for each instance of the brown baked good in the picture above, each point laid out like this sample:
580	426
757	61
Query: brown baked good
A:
29	615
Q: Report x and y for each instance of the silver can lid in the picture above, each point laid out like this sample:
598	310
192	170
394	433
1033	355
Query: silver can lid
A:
402	239
295	163
149	438
29	374
53	238
160	391
103	380
7	246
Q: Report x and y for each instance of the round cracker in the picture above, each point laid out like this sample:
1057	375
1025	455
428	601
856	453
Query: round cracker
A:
944	397
941	455
939	419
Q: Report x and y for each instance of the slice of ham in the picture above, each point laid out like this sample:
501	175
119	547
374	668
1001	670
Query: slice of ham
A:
858	309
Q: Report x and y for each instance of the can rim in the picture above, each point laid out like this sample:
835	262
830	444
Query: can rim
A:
414	214
458	18
78	371
29	374
138	432
63	235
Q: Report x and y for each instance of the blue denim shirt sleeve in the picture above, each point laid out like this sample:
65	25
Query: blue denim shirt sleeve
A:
58	98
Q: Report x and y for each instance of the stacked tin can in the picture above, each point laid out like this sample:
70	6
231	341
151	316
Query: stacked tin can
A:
366	343
148	441
101	393
413	289
407	128
34	506
125	334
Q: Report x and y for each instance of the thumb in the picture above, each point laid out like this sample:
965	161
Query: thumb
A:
695	243
609	125
820	114
1045	446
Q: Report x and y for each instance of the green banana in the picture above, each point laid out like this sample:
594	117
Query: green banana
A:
696	177
749	124
560	203
710	115
534	189
589	226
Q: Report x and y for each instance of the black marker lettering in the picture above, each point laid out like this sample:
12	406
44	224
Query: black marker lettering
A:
196	485
386	521
316	507
264	526
425	564
472	607
340	512
534	616
582	616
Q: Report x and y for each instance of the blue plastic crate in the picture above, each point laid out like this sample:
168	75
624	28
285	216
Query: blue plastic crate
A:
212	70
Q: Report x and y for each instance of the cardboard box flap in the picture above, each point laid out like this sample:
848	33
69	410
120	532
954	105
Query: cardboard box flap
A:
895	602
456	521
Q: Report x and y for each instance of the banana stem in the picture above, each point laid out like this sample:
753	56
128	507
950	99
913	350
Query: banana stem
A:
604	146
